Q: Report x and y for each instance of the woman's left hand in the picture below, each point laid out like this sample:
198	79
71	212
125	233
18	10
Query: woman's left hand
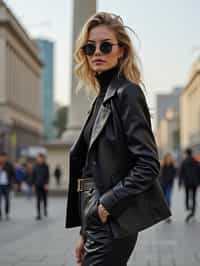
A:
103	213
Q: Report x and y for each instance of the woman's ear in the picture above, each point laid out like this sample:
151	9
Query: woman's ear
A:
122	52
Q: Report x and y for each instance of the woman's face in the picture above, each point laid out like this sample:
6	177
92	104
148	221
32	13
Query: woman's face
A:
168	159
100	62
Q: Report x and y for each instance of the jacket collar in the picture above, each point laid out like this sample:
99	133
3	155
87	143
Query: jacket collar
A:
102	115
105	110
111	90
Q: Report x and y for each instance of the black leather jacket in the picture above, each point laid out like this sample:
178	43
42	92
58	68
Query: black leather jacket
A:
125	161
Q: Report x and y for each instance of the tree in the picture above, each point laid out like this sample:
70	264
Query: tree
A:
61	120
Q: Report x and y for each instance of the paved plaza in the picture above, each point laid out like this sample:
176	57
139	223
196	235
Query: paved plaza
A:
26	242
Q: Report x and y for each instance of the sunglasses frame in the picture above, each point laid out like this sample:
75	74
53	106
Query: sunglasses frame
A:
100	47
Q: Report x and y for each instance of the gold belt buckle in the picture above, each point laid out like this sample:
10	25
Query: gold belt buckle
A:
79	184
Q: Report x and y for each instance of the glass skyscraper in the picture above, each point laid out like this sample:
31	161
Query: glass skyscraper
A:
46	48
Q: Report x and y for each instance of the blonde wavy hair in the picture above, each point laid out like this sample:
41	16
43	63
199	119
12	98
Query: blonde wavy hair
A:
129	63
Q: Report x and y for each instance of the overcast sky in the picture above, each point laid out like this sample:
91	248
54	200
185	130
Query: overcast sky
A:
168	31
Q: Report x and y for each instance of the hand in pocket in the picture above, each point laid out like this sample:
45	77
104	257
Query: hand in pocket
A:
101	214
91	210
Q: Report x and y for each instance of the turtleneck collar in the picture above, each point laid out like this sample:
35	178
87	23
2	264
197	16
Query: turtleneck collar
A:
106	77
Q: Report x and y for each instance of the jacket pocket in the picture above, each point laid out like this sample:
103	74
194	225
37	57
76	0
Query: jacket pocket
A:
91	209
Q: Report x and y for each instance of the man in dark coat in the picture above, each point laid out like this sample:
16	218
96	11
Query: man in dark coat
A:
40	182
189	176
7	179
57	174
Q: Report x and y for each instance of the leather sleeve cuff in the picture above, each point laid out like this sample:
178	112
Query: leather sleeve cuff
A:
81	231
109	201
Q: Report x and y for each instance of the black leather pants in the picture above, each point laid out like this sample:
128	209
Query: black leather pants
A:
100	247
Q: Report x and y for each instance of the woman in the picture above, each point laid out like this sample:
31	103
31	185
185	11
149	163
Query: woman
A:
167	175
114	162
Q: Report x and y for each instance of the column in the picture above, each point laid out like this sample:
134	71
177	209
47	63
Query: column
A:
82	10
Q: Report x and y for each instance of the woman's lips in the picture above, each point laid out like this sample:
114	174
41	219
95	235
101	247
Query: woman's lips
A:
98	61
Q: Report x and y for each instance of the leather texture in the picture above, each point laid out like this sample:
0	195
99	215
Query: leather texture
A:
100	247
125	162
105	251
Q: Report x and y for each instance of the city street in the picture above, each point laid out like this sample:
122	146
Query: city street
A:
26	242
99	88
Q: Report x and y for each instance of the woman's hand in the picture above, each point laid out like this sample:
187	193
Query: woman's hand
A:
79	251
33	189
103	213
46	187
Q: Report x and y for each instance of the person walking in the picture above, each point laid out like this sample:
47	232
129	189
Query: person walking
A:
167	175
28	180
113	190
7	180
20	175
57	175
189	177
40	177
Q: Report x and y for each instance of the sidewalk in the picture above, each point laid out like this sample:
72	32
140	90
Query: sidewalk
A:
26	242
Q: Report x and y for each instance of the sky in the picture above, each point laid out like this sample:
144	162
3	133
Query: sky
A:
168	31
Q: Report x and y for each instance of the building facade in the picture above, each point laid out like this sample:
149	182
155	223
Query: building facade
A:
190	110
168	133
20	71
168	127
46	48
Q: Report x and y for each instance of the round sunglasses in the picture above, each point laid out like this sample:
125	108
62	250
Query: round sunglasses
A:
105	47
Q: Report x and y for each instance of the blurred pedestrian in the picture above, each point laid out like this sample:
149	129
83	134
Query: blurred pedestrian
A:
167	175
7	179
40	183
57	174
20	175
29	179
189	176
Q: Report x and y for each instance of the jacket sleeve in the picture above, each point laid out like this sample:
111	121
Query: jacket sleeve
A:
181	174
47	174
12	174
142	151
34	175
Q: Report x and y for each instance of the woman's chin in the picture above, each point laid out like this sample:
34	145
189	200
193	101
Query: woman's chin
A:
100	69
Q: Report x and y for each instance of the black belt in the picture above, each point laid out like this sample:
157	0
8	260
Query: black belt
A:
85	183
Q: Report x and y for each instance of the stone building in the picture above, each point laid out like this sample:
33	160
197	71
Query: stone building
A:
190	110
20	71
168	127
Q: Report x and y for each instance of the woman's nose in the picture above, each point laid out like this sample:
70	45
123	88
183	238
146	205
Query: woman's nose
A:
97	51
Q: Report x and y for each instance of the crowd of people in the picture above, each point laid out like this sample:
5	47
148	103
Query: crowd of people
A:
30	177
188	175
33	177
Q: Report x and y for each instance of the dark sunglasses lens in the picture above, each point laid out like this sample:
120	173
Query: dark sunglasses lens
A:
89	49
106	47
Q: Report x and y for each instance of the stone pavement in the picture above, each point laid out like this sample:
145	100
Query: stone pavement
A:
26	242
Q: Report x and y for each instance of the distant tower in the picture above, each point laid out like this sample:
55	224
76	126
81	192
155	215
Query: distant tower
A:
82	10
46	48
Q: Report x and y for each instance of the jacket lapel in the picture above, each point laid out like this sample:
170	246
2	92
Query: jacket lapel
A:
100	121
104	110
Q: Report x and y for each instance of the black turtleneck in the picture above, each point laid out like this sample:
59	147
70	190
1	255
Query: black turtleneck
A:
104	80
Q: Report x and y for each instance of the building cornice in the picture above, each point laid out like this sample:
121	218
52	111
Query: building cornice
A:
55	144
18	108
8	20
188	85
